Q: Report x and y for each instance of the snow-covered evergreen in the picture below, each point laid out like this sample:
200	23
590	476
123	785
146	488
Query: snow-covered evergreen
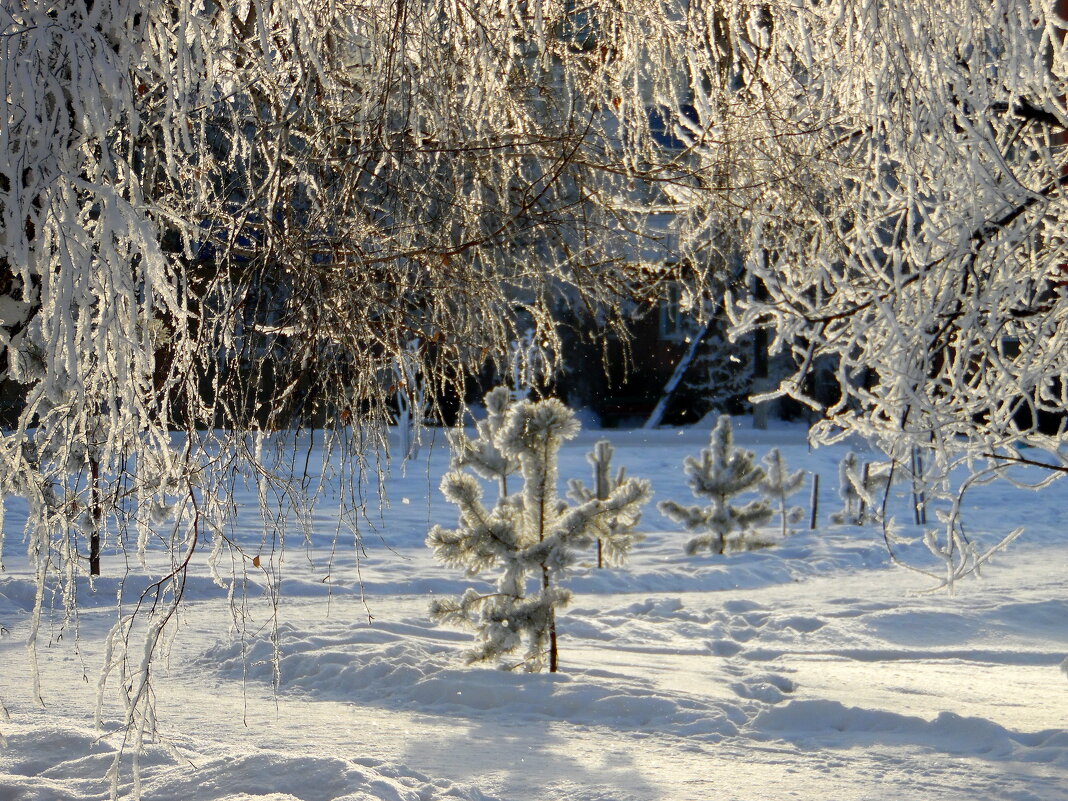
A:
531	537
723	473
847	491
859	487
615	546
779	484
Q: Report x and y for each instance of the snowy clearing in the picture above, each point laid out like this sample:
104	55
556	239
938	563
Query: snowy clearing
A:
812	669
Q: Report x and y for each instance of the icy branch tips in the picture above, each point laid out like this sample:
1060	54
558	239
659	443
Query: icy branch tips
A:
480	453
531	537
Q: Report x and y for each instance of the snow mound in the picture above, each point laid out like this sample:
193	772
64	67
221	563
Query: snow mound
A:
49	763
387	666
821	722
16	597
665	568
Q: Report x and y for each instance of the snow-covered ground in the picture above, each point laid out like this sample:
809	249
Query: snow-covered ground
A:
811	670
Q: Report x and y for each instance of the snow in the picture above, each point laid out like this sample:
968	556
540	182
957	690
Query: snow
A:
810	669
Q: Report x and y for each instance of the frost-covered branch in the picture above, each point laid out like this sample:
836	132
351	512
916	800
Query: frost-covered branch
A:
896	182
223	220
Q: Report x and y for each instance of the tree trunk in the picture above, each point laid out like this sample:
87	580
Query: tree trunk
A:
676	378
97	512
546	582
761	382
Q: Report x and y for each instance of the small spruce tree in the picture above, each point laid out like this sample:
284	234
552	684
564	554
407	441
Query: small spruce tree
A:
531	537
723	473
779	484
614	547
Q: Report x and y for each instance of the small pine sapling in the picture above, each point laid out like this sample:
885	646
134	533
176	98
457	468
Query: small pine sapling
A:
723	473
779	484
858	488
847	491
615	546
531	537
480	453
872	484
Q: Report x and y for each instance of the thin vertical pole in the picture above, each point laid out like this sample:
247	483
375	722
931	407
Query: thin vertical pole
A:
915	485
923	494
815	503
97	511
600	476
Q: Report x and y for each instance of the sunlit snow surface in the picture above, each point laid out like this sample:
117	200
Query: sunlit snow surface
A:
811	670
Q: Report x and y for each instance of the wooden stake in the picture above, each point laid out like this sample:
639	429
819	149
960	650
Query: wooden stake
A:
863	494
923	499
915	486
600	477
815	503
